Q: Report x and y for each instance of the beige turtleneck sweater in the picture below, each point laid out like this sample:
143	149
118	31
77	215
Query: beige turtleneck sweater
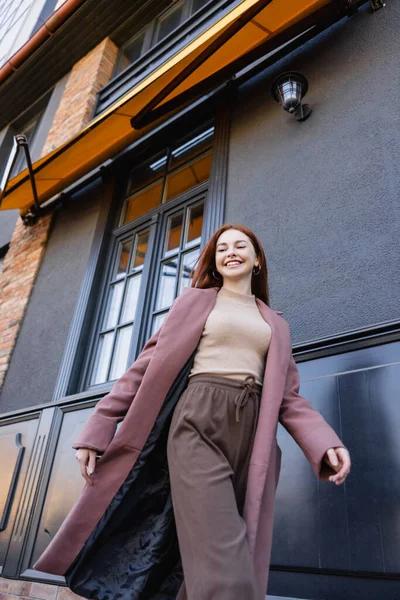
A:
235	338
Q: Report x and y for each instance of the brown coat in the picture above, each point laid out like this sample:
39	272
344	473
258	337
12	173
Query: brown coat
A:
137	398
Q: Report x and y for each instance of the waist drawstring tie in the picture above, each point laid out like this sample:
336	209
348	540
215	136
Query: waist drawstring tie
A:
245	394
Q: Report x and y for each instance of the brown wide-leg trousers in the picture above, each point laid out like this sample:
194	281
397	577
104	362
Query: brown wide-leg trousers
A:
209	447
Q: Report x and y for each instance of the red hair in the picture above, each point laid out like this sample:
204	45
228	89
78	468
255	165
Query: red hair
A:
203	277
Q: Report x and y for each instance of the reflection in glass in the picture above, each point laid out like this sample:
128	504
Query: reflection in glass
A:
113	305
187	177
143	201
170	21
131	52
197	4
131	299
174	233
102	360
121	351
145	173
29	132
125	250
166	287
141	247
195	224
157	322
192	146
187	265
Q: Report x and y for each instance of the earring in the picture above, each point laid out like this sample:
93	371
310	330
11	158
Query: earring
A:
259	269
215	277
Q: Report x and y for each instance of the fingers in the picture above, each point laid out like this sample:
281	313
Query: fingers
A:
343	466
333	459
87	460
92	462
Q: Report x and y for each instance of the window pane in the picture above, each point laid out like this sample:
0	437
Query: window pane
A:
131	299
188	177
141	248
195	224
131	52
168	22
191	146
29	132
121	351
143	201
125	250
174	234
102	360
157	322
147	172
113	305
166	286
197	4
186	267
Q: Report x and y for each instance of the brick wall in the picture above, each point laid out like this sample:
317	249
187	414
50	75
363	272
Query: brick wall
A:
25	590
22	261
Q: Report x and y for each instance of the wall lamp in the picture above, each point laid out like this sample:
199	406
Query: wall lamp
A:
289	89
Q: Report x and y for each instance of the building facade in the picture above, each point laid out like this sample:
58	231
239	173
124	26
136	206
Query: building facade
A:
149	125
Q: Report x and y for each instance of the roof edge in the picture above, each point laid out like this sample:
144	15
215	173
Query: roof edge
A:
47	30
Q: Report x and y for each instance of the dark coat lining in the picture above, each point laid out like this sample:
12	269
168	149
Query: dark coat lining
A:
133	553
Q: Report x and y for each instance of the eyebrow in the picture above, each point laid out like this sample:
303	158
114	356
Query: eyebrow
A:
237	242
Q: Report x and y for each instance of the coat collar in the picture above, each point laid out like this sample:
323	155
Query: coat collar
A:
215	289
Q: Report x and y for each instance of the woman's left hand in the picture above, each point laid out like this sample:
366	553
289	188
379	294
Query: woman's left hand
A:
339	460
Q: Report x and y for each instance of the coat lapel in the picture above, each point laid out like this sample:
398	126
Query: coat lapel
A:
276	366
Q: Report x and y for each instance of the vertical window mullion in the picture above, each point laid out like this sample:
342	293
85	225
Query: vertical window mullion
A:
95	336
148	38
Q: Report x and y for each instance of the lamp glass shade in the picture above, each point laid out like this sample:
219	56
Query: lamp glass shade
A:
290	95
289	89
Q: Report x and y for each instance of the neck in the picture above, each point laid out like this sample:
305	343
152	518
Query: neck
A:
240	287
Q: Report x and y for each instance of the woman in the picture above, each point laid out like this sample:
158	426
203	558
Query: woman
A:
189	479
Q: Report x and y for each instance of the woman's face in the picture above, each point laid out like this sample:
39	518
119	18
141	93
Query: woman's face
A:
235	256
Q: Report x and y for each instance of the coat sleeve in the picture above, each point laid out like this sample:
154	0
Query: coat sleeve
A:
100	428
308	428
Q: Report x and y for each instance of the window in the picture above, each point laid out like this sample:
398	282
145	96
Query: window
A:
19	20
34	123
29	130
156	30
154	248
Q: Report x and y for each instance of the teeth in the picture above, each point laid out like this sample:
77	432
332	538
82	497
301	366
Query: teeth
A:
233	262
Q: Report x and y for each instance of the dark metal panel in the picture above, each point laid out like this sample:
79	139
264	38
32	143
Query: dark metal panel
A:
15	435
347	530
30	477
333	586
13	452
61	485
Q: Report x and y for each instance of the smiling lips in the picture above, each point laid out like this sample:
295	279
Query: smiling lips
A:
233	262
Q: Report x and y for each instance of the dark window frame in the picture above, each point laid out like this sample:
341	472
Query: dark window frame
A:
151	28
44	110
69	380
200	21
151	221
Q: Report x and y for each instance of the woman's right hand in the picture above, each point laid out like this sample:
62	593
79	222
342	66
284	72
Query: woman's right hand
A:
87	462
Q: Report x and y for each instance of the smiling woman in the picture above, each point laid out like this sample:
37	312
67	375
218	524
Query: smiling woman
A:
195	464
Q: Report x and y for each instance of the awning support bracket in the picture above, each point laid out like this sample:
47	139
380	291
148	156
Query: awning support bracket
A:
35	211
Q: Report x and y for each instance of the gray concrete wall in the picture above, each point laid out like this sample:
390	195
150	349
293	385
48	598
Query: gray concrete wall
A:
37	356
323	195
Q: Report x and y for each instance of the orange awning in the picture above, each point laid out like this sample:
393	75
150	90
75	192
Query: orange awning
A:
239	31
